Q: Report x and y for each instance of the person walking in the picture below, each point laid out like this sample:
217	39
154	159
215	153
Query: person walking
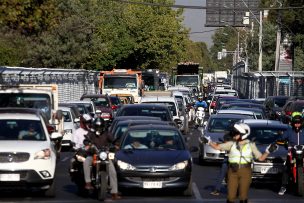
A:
295	136
241	154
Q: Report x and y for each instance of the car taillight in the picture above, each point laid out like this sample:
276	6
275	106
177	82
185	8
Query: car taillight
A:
288	113
114	107
213	104
50	129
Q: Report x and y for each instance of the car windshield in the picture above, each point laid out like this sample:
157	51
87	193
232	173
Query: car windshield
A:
162	113
186	80
99	101
120	82
221	124
21	130
170	105
66	116
156	139
280	102
265	135
27	100
115	100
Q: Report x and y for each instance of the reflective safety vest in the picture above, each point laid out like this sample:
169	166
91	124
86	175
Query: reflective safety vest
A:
242	156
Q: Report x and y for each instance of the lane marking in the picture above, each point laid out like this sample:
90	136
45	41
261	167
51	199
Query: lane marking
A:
196	192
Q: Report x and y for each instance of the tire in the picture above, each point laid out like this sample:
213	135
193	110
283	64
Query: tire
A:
300	181
51	192
102	191
188	191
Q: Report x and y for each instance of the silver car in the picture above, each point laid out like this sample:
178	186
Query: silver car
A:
216	127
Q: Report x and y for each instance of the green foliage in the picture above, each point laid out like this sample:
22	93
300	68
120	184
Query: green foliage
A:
95	34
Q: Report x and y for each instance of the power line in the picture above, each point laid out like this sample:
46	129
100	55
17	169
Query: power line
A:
203	7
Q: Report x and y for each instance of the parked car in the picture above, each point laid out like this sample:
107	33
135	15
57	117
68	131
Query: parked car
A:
215	128
290	107
162	161
265	132
274	105
27	154
102	103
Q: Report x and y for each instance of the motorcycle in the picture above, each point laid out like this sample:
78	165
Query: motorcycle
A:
199	117
295	156
295	161
99	171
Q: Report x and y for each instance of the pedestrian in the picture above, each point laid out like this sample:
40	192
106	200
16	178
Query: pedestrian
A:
240	157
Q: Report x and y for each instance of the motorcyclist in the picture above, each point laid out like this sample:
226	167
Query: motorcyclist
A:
99	139
295	136
200	102
79	134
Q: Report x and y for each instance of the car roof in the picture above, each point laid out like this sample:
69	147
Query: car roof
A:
236	111
21	113
79	102
64	108
157	99
152	127
262	122
143	105
94	95
136	118
226	116
160	122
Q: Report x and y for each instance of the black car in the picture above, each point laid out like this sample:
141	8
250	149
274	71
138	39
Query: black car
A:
263	133
160	159
154	110
274	105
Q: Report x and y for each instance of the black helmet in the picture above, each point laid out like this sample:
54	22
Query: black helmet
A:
99	125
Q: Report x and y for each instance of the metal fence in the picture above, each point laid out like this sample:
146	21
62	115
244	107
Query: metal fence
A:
72	84
267	83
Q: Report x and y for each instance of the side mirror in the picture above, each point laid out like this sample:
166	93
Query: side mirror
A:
76	120
178	121
56	136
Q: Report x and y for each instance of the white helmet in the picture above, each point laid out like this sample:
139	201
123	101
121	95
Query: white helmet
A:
243	129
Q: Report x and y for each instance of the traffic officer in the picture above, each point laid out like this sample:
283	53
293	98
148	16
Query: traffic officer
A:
240	157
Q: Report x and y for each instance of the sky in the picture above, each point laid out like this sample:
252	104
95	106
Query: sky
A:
195	19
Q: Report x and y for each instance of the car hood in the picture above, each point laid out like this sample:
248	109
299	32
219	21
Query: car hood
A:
152	157
281	152
23	146
215	136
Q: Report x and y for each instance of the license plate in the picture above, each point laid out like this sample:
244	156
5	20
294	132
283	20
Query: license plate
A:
269	170
9	177
153	184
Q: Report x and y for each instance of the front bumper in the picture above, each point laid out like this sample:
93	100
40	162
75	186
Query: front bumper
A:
27	178
267	172
154	180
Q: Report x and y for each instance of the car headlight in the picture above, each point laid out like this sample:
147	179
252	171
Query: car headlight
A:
179	166
125	166
43	154
103	156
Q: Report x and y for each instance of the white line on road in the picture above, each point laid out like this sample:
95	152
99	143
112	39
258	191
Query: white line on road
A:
196	192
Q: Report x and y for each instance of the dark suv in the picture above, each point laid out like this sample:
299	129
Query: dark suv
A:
102	103
290	107
273	106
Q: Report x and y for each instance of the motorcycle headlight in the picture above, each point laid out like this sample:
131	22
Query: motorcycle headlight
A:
103	155
125	166
179	166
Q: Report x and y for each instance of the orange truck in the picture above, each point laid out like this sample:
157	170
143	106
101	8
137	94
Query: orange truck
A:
122	82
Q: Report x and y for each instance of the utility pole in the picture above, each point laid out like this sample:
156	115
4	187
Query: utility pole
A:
278	44
260	42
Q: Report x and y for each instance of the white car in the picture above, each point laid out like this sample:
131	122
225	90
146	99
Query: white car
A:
27	154
71	123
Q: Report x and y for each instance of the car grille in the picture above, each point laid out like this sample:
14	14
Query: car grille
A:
273	160
11	157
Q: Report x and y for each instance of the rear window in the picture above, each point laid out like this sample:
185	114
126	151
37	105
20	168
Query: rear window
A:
265	135
163	114
99	101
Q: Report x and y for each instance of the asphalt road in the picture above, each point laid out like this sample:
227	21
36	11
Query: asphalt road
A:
203	180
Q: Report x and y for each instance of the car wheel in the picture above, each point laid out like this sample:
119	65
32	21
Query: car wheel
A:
188	190
51	191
